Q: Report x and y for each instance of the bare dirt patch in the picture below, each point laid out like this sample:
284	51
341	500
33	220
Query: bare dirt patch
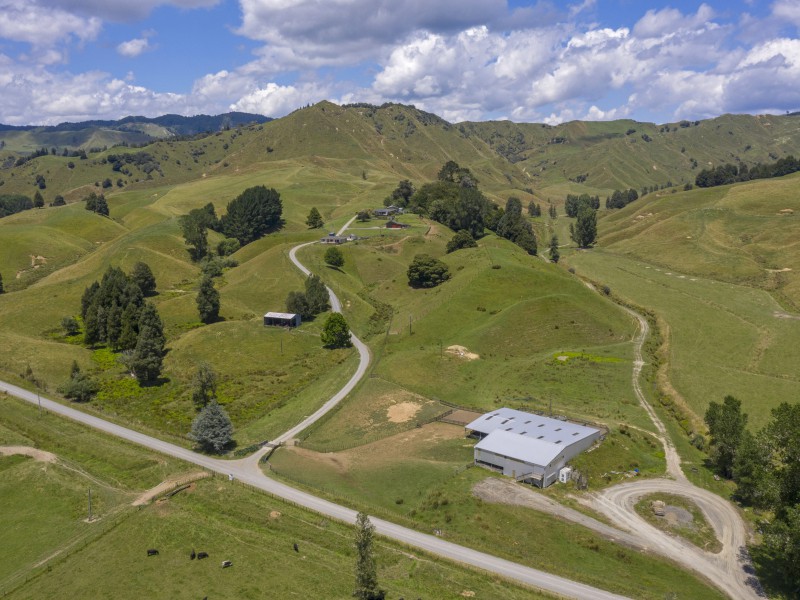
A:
336	461
167	485
402	412
462	352
34	453
461	417
786	212
784	315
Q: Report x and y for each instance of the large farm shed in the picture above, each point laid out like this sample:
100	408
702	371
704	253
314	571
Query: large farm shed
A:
528	446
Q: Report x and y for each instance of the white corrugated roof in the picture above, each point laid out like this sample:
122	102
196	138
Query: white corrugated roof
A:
277	315
530	425
521	447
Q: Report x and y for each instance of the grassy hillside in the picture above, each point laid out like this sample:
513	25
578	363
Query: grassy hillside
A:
610	155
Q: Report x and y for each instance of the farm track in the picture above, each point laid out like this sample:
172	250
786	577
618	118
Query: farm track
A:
730	570
247	470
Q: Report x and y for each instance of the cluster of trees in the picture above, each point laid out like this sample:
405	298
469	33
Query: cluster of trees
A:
766	467
250	216
513	226
313	301
425	271
97	203
145	161
621	198
114	312
462	239
212	428
574	203
534	210
455	201
14	203
725	174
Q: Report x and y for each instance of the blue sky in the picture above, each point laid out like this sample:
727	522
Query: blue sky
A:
537	61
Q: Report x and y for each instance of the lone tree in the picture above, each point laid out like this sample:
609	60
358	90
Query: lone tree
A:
334	257
426	271
38	201
208	300
363	215
143	277
204	386
555	255
335	332
314	219
316	295
584	230
366	571
212	429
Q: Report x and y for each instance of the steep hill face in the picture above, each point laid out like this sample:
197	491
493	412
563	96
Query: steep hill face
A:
610	155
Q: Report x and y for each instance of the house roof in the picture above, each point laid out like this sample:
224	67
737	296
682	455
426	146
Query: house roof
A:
530	425
521	447
279	315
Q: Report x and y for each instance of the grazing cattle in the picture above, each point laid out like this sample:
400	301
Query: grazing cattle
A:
202	555
226	564
192	555
152	552
296	549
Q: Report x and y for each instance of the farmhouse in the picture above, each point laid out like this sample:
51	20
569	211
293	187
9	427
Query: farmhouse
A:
277	319
384	212
332	238
527	446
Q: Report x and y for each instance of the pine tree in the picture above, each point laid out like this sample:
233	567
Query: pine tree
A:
208	301
114	325
129	329
314	220
143	277
148	317
212	428
555	255
366	570
38	201
584	230
146	360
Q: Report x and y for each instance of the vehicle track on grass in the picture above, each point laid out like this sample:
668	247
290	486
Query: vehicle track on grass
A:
247	470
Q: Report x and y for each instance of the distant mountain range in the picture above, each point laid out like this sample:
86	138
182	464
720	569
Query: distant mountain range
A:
132	130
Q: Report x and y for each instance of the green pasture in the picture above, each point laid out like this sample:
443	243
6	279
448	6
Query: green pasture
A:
50	551
722	339
419	478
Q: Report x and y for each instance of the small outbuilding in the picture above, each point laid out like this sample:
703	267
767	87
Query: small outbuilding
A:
392	224
384	212
527	446
277	319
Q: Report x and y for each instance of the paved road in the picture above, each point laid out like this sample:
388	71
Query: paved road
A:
248	471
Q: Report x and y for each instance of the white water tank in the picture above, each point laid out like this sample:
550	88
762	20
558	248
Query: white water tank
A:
564	474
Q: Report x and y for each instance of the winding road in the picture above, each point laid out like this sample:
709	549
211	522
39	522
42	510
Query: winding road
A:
248	471
730	569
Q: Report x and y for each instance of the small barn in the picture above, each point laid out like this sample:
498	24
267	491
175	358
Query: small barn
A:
277	319
527	446
392	224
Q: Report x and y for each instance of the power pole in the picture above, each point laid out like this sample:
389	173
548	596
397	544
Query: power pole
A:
409	323
90	504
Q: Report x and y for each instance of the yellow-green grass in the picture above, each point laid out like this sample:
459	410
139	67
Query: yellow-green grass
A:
48	550
722	339
376	410
420	477
730	233
518	318
698	531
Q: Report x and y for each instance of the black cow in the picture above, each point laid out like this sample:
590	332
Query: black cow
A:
152	552
192	555
202	555
296	548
